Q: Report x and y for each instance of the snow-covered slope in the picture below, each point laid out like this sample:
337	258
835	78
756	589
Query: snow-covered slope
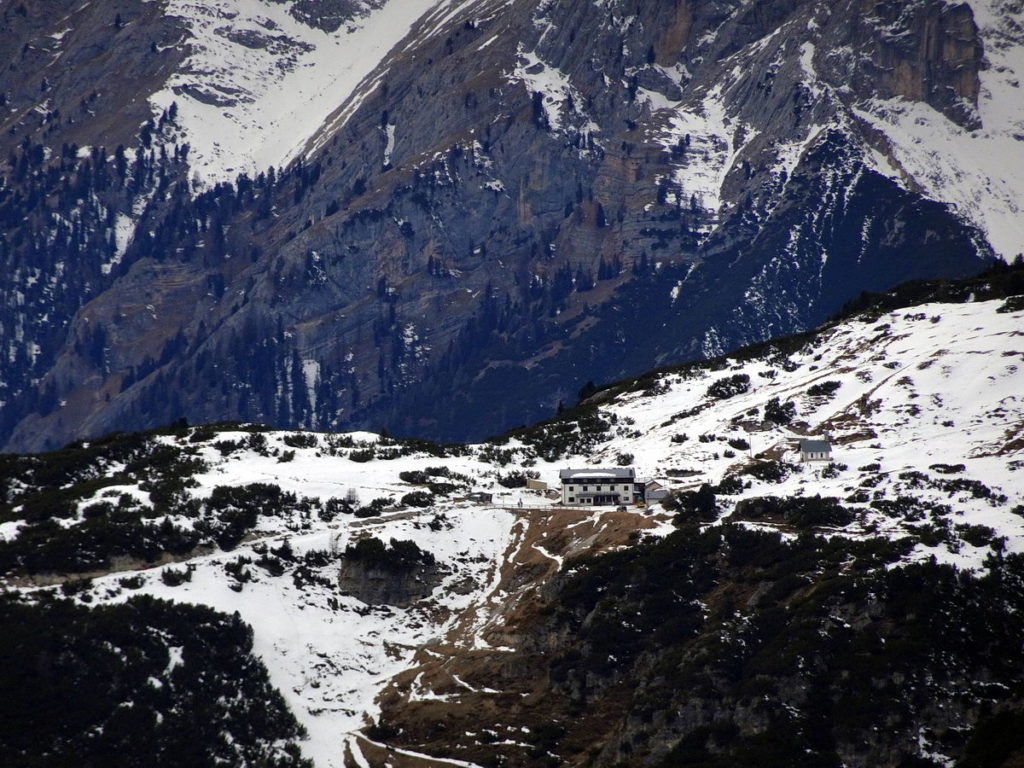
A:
260	82
924	407
980	171
913	391
331	655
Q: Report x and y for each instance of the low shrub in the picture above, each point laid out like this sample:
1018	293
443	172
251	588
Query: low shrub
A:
778	412
824	388
730	386
300	440
692	506
173	577
418	499
517	478
798	511
770	471
397	555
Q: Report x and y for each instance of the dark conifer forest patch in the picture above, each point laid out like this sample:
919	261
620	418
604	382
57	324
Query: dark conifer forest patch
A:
145	683
743	648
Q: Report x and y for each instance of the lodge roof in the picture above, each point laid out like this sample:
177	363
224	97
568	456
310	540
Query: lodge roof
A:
815	446
598	473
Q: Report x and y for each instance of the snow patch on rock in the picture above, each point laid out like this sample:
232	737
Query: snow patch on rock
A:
980	172
259	83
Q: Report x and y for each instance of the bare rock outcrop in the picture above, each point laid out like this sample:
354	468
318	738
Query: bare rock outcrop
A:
398	574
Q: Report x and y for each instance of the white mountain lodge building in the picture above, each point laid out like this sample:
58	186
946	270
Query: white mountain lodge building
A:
600	487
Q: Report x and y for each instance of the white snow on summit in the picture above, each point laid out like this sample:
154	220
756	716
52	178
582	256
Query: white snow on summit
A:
260	83
260	86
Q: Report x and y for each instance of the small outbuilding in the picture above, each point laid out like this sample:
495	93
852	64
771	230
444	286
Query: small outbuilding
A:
815	450
654	491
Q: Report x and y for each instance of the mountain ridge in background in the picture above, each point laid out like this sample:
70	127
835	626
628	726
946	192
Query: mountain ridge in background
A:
475	208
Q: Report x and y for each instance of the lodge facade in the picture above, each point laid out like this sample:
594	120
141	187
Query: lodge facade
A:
600	487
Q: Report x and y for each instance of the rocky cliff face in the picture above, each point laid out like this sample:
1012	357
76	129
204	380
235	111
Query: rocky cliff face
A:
82	170
375	585
521	197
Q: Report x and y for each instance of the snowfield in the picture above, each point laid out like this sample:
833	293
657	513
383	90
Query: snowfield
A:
939	385
330	655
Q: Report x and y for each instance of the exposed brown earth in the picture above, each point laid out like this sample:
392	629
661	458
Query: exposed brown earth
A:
468	696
